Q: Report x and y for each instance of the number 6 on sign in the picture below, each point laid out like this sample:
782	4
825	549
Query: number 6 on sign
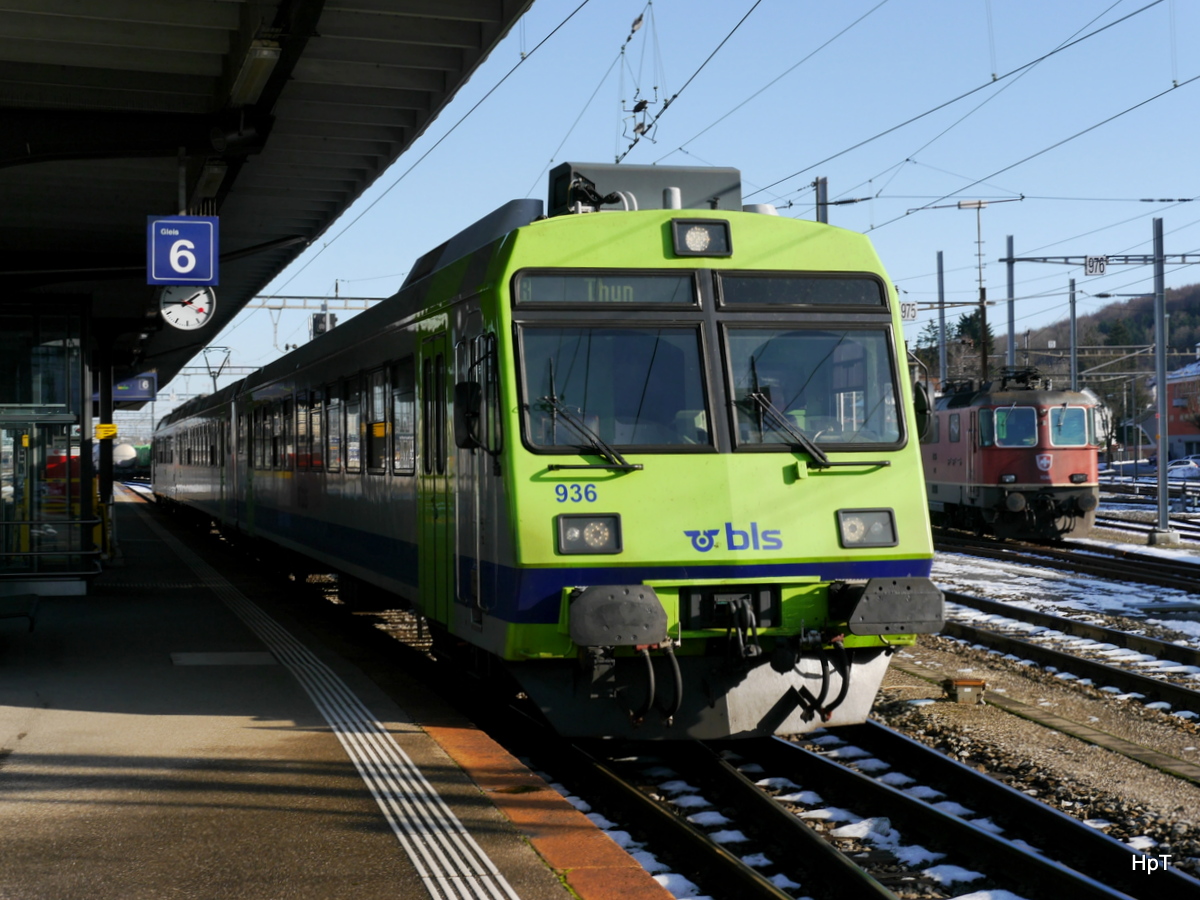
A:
182	250
182	261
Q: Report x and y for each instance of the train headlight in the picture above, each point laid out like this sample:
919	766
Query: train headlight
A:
589	534
867	527
701	237
1078	478
1008	479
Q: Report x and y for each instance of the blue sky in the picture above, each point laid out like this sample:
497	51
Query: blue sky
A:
867	94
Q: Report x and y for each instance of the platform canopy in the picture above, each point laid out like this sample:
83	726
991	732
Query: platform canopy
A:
273	115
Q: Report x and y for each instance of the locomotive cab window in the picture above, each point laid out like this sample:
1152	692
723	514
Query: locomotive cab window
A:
829	385
627	387
1069	426
1016	426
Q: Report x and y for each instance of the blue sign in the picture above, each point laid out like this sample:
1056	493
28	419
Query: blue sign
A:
140	389
182	250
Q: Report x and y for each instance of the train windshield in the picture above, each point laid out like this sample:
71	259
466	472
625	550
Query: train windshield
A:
1069	426
833	385
1015	426
628	386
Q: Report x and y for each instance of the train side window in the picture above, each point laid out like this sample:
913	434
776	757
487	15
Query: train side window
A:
439	387
955	428
404	418
315	423
289	440
353	399
490	378
242	434
987	427
427	415
377	421
256	437
276	435
333	431
303	449
933	434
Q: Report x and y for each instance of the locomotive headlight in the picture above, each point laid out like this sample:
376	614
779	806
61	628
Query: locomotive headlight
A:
867	527
589	534
1008	479
1078	478
701	237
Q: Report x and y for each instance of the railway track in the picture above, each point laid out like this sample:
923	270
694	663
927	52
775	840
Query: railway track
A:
1096	560
1188	530
819	821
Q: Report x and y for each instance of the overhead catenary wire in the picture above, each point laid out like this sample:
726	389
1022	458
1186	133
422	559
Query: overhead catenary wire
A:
954	100
667	103
773	81
1045	150
438	142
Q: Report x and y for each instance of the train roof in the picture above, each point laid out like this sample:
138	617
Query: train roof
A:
1023	386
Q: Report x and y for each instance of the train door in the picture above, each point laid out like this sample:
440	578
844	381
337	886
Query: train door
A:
477	437
436	503
972	455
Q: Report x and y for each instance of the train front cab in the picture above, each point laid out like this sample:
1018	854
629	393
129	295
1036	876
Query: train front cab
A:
1021	464
676	572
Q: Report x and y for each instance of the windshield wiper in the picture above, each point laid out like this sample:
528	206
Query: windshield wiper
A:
613	459
780	422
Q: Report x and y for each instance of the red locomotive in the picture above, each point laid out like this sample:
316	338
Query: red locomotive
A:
1017	457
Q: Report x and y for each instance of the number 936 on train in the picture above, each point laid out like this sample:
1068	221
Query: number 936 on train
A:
649	459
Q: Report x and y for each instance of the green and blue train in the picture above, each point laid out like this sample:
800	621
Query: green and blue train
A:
654	455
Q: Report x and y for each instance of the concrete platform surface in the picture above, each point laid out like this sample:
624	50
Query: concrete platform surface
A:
175	733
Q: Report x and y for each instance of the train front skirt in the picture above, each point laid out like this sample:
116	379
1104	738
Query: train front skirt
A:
721	698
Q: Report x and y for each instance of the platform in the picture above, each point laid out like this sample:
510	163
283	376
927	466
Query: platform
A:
176	733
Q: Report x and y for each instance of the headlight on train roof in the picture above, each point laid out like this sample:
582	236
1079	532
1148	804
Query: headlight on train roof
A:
701	237
589	533
867	527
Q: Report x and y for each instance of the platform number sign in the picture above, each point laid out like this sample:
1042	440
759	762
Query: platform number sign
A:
182	250
1096	265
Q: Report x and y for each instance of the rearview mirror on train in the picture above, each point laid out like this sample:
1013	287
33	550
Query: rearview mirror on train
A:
468	399
922	408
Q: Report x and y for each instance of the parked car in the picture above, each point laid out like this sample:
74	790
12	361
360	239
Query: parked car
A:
1183	468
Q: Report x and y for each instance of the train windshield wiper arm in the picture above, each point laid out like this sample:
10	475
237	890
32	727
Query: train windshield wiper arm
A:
613	459
781	422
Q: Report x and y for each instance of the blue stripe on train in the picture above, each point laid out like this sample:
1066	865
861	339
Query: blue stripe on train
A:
532	596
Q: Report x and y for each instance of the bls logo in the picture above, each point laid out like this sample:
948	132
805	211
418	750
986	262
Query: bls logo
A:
736	539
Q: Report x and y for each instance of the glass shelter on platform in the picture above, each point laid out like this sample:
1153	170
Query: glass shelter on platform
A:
48	522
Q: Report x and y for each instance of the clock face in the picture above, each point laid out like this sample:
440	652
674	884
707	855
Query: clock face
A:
187	307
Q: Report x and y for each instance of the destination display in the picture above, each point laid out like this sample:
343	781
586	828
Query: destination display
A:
608	287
